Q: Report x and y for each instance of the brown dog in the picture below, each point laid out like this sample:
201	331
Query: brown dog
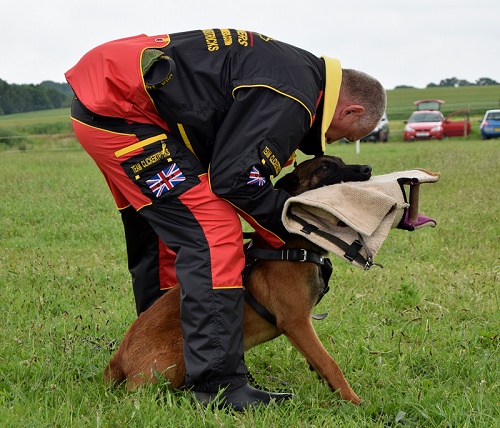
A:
289	290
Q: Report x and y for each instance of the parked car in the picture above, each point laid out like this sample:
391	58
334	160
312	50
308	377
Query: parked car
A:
429	104
431	124
490	125
381	132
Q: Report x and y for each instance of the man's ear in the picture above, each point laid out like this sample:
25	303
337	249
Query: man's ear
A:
353	109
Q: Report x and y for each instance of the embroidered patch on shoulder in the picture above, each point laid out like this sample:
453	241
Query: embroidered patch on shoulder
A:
256	178
165	180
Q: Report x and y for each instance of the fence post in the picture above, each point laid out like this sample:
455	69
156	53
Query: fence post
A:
466	121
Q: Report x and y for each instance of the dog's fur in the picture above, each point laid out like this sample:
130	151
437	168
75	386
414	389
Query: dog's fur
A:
153	344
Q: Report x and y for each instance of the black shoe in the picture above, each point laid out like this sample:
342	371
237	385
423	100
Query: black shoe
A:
241	397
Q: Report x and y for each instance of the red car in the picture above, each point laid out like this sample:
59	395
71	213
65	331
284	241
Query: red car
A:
429	123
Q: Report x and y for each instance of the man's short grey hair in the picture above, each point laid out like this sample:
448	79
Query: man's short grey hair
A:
365	90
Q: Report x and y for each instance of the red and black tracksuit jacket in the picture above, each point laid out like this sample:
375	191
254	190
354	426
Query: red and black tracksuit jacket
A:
242	102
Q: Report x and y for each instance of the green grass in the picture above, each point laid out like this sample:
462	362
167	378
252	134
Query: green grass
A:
49	129
45	129
36	117
478	99
419	340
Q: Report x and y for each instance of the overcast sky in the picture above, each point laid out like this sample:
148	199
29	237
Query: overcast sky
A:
400	42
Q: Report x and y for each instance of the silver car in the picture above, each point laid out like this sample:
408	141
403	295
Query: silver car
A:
381	131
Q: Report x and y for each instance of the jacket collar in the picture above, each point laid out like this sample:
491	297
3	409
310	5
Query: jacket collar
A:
333	80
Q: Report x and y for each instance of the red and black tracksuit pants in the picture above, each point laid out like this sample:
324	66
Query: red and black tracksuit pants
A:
176	230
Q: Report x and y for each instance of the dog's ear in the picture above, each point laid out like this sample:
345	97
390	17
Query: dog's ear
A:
288	183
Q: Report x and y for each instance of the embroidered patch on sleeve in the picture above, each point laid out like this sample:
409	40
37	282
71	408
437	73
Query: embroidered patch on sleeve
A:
256	178
165	180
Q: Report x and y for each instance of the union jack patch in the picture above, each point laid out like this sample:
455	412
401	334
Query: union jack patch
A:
165	180
255	178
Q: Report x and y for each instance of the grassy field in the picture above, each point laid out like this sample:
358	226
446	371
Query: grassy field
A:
478	99
419	340
51	129
46	129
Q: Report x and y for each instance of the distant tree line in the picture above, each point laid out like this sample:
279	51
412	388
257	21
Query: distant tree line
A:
23	98
455	82
48	95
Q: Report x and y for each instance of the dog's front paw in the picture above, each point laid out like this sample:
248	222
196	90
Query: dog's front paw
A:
351	396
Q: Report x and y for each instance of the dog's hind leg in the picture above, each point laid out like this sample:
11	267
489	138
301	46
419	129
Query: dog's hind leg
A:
302	335
113	373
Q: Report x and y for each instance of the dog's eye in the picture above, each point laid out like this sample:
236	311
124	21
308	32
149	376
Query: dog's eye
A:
326	167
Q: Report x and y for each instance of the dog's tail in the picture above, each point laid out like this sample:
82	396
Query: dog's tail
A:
113	373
